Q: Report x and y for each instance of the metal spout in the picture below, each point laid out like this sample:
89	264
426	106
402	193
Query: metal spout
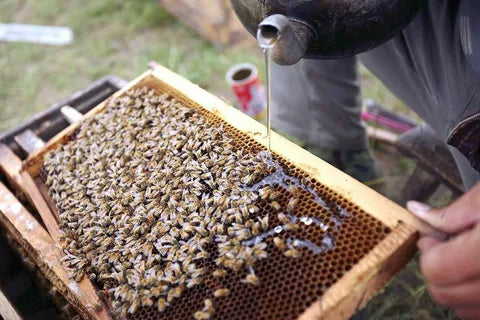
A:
289	38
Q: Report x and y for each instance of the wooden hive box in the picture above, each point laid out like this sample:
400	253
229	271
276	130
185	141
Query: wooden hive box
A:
213	20
354	286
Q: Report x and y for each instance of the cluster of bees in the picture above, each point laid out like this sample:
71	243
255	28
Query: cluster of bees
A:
145	189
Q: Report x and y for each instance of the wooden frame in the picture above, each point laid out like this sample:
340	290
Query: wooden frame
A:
39	245
46	254
7	311
360	283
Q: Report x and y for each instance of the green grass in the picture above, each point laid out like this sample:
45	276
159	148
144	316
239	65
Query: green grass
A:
111	37
120	37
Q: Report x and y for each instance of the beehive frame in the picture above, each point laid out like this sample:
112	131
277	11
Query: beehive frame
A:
360	283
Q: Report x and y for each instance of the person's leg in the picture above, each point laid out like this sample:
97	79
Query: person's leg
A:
427	66
319	101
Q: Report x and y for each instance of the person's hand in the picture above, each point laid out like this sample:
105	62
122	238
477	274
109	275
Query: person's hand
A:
452	268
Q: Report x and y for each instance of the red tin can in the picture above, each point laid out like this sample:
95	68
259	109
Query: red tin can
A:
243	78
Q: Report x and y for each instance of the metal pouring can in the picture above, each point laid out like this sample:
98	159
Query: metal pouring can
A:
250	93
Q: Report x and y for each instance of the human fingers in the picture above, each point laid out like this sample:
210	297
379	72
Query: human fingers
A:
426	243
457	217
454	261
464	295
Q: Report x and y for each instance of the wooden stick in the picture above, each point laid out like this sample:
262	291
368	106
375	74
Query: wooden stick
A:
10	166
29	141
70	114
47	254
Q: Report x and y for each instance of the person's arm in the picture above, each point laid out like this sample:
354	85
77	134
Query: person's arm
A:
452	268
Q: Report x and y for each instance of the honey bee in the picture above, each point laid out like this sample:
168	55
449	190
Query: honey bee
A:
188	228
244	211
251	278
259	251
219	273
229	263
292	253
146	301
249	179
279	243
155	291
202	231
274	195
253	209
294	191
291	227
202	315
201	255
134	306
264	222
231	231
243	234
193	282
238	265
221	292
292	203
275	205
208	305
238	217
256	229
161	305
283	218
264	193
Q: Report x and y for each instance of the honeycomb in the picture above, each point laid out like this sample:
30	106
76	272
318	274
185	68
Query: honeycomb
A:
335	234
287	286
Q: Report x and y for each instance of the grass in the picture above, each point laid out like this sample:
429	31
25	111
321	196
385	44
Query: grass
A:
120	37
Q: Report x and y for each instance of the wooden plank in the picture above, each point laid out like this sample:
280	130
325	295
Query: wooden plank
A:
44	192
48	218
10	166
47	254
70	114
29	141
7	311
212	20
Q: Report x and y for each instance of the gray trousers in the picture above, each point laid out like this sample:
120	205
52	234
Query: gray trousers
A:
433	66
